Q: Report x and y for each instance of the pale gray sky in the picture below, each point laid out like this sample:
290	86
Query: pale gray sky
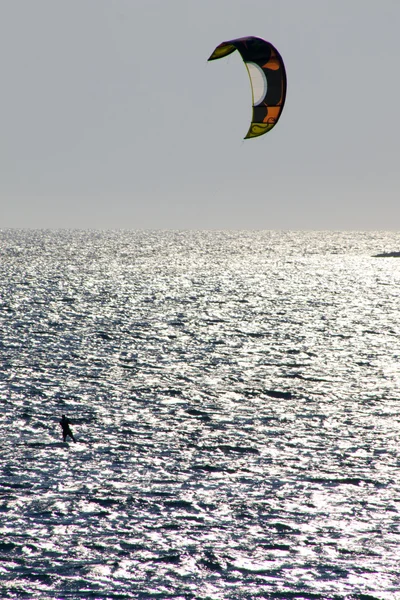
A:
111	116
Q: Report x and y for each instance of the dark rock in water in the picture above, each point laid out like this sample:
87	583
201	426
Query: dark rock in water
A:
208	468
277	394
198	413
387	255
240	449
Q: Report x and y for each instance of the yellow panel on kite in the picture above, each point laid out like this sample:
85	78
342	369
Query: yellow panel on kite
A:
267	77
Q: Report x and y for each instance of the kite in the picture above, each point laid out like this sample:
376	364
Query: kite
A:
267	77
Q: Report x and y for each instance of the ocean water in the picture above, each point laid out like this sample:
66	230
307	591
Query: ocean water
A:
235	400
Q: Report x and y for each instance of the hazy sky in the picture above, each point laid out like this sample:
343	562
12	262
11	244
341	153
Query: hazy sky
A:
112	117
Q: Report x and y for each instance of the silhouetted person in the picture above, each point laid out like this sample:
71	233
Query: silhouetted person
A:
65	424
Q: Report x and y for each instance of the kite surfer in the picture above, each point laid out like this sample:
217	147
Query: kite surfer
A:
66	430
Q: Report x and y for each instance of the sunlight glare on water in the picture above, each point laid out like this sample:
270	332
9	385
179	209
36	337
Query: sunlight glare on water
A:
234	396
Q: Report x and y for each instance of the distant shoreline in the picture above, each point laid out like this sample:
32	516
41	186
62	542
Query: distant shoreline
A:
387	255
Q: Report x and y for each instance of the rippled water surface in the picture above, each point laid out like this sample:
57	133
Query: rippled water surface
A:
235	399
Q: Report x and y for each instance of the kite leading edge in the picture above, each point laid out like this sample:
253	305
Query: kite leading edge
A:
267	77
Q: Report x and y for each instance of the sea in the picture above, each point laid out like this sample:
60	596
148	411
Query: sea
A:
235	400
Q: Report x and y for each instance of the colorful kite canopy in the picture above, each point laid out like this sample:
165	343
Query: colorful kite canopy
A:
267	77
